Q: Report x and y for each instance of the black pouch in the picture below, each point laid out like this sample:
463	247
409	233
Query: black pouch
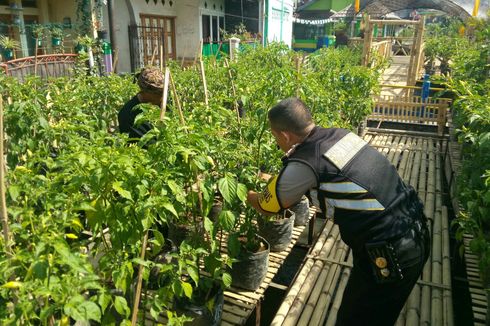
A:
384	262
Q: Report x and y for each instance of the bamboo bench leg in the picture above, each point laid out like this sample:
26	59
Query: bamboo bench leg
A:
258	312
311	229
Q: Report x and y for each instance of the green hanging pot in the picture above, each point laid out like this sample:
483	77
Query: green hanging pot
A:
56	41
8	54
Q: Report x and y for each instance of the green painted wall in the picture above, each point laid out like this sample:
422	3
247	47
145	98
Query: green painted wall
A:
335	5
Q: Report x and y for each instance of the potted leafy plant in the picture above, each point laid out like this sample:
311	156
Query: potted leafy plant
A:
56	34
38	32
8	45
250	254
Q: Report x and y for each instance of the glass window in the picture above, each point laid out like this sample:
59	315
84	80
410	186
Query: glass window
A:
215	28
29	3
206	26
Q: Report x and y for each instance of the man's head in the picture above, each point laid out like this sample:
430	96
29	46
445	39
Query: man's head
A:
290	122
150	81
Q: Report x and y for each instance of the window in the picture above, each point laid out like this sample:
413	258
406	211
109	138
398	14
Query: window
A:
211	25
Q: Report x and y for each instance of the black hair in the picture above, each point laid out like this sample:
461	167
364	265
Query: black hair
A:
291	115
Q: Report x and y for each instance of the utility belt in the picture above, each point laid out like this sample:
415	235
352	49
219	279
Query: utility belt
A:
387	258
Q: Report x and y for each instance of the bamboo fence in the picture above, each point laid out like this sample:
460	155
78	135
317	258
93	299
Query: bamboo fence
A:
315	296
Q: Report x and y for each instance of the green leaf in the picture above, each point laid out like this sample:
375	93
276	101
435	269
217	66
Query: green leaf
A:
169	207
104	300
81	310
14	192
121	306
85	206
208	225
233	245
228	188
117	186
187	289
227	220
193	273
242	192
227	279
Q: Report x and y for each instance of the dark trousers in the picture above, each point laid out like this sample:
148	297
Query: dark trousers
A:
365	301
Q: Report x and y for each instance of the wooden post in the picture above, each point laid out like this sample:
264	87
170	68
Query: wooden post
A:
163	106
203	76
161	57
368	40
35	57
137	295
5	224
176	99
413	68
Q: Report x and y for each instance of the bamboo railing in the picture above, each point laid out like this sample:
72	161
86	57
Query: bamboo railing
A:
411	109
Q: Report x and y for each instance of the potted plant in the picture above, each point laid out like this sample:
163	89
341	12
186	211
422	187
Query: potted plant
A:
8	46
250	254
56	34
38	32
277	229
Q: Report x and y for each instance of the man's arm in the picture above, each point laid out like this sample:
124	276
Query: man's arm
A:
253	200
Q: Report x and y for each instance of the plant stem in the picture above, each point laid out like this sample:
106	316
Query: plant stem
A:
140	281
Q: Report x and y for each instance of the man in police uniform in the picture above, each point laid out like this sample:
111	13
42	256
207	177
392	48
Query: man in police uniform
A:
379	216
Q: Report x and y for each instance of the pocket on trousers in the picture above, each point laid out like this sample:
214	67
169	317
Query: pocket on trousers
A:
410	249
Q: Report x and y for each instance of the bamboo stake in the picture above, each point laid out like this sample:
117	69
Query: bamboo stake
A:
137	295
153	55
176	99
203	76
116	60
161	57
233	90
5	223
163	107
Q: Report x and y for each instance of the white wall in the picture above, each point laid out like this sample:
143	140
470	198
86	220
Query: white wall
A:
187	28
277	30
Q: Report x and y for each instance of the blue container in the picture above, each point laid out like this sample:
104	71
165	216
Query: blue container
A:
322	42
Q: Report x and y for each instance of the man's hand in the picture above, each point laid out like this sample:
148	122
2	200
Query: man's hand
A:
264	176
253	200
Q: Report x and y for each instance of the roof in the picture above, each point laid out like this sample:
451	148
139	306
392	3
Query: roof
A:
380	8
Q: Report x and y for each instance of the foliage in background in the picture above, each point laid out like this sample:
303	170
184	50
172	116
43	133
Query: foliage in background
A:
470	81
71	176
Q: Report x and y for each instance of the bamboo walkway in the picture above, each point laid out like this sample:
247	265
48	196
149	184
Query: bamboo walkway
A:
315	296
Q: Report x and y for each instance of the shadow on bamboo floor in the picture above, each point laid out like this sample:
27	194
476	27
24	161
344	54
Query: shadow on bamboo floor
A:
273	296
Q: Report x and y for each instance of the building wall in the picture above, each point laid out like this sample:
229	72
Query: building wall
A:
280	29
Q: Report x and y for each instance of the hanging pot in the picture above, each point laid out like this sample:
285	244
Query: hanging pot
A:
301	211
250	269
201	314
8	54
277	232
56	41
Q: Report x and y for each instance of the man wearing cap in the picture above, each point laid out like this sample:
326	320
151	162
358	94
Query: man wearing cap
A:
150	82
379	216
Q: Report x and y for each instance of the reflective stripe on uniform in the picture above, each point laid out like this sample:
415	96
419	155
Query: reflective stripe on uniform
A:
268	200
342	187
344	150
356	204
